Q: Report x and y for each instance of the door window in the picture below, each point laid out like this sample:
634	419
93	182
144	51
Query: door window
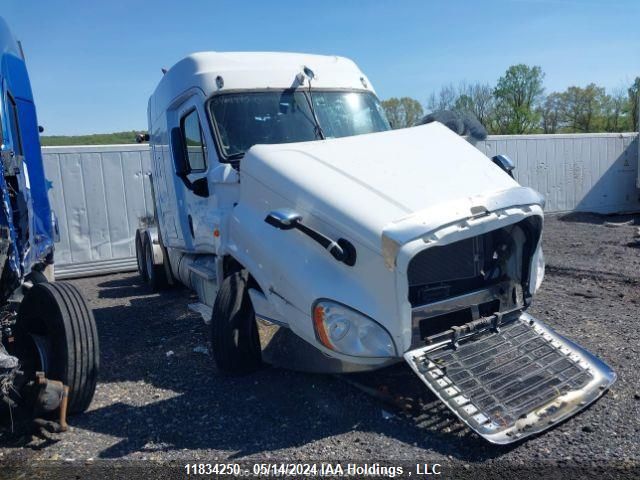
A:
196	150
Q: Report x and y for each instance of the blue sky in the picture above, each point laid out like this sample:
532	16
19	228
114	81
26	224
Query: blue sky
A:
94	64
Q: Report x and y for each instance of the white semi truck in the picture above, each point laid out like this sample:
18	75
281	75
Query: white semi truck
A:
284	199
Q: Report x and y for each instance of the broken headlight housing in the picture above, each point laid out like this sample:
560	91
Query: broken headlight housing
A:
348	331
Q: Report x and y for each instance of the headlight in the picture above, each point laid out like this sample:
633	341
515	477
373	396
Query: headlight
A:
537	270
347	331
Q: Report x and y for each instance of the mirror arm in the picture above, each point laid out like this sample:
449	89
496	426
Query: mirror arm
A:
187	183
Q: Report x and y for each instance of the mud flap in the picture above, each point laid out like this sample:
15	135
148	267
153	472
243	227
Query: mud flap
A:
513	381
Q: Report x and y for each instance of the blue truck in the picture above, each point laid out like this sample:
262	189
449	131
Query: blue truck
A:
49	352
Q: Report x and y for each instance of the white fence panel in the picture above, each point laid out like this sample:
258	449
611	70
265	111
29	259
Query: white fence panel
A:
100	195
595	172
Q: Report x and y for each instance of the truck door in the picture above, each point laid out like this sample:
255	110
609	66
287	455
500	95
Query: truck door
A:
192	203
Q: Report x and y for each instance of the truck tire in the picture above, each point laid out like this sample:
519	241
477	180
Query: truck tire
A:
234	333
58	315
156	276
142	267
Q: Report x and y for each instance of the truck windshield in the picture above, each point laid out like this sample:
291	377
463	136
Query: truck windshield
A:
244	119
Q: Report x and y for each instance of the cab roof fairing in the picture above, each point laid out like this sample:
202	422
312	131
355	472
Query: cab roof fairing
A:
252	71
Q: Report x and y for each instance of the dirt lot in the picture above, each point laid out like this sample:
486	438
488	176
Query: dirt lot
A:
159	396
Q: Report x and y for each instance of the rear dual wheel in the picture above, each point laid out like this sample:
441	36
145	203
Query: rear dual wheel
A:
156	277
142	268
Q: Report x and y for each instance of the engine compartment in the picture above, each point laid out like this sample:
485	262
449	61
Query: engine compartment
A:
454	284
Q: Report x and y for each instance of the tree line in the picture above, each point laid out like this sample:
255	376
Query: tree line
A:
518	104
115	138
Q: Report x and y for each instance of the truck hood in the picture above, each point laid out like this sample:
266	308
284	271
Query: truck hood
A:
401	182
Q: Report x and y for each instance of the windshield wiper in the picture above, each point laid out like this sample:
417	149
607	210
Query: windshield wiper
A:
317	128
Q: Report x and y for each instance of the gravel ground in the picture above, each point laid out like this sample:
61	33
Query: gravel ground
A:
159	397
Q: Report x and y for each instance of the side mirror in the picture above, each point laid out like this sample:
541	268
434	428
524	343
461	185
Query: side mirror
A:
505	163
200	187
284	219
177	149
142	137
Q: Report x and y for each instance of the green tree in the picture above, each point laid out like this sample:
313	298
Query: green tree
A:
634	97
402	112
464	103
551	113
518	94
445	99
476	99
582	107
615	113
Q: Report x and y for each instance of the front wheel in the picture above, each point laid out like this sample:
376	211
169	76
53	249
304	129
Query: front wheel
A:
56	318
234	332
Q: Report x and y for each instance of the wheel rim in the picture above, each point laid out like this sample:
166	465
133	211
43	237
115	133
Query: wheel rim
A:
34	351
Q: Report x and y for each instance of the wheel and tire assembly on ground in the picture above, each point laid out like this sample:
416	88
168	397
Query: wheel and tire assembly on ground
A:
56	319
234	332
142	266
156	276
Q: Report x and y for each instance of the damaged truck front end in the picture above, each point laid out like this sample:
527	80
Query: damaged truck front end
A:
504	373
462	248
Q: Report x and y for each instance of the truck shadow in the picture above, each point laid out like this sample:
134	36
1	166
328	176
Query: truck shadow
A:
612	220
122	287
191	406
